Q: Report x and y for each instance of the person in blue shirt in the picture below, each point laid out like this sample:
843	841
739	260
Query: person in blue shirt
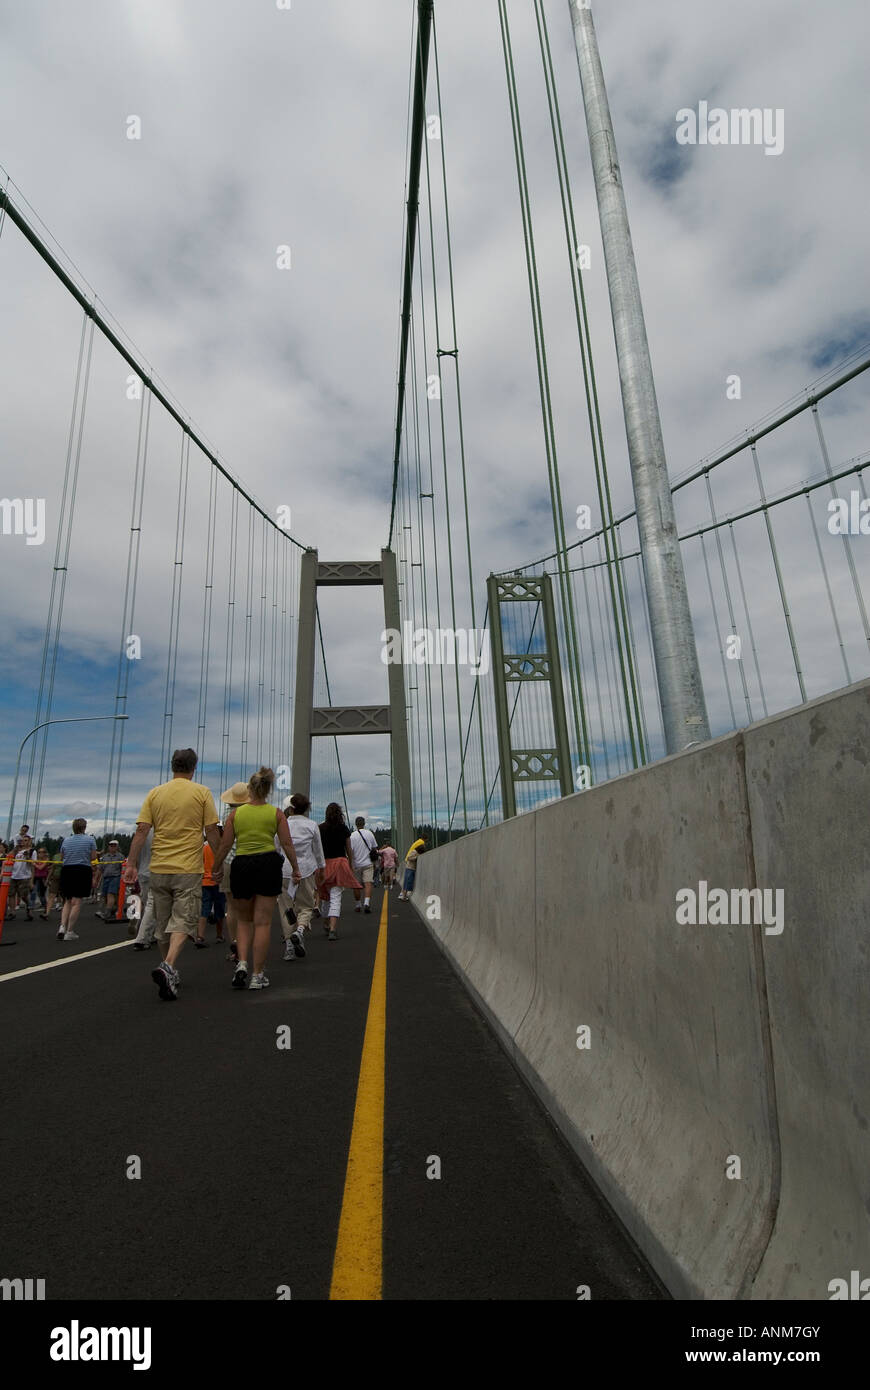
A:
77	851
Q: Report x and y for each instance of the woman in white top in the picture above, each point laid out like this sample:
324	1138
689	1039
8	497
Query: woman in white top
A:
309	853
22	878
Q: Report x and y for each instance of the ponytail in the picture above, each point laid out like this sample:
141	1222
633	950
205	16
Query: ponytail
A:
261	783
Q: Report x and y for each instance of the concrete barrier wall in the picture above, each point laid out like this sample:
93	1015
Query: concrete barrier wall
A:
713	1049
808	774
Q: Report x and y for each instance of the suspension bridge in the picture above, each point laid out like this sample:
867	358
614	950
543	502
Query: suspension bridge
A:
612	1048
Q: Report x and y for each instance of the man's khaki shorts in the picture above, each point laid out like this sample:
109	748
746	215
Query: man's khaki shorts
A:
366	875
176	899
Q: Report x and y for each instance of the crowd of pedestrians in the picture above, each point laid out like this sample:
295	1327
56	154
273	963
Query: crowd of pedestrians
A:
186	868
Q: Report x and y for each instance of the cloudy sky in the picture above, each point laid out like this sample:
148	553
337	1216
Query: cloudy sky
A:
264	127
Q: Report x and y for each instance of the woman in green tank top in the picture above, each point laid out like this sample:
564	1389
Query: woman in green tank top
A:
255	873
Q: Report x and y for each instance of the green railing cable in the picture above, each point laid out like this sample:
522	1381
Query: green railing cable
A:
746	441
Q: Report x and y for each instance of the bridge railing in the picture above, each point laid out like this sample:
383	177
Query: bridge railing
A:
775	535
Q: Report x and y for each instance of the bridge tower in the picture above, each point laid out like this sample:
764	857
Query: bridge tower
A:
313	721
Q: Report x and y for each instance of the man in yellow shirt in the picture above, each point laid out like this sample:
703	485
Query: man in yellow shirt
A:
411	870
179	810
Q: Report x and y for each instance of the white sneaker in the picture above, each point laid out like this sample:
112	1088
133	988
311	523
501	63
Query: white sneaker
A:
358	908
70	936
259	981
289	953
60	934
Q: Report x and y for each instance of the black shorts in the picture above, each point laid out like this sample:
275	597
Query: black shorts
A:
256	875
75	881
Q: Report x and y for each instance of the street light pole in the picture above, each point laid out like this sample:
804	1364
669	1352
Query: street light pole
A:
398	799
83	719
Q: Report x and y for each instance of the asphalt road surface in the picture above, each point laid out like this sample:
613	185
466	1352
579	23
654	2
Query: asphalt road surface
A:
246	1189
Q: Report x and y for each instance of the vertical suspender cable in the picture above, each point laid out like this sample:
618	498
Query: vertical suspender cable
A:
175	606
454	353
831	603
430	496
718	631
261	652
246	669
54	624
593	646
208	592
617	595
424	583
748	619
447	508
577	702
779	580
128	616
228	651
727	588
850	559
329	702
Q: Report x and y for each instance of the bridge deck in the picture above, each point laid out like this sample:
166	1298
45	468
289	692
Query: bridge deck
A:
244	1147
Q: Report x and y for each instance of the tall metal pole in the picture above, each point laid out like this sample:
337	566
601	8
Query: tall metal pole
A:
676	658
394	788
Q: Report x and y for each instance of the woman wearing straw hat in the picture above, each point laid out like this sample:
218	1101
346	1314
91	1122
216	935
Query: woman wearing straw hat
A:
255	874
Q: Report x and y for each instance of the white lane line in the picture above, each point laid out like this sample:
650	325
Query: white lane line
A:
65	960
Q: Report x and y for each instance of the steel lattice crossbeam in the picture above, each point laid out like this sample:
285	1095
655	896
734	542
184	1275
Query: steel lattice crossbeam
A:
350	719
331	572
519	589
535	765
526	668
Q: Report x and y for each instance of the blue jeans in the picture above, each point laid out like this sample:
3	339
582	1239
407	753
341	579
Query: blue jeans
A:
213	900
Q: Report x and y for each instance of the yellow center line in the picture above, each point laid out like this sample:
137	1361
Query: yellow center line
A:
357	1268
